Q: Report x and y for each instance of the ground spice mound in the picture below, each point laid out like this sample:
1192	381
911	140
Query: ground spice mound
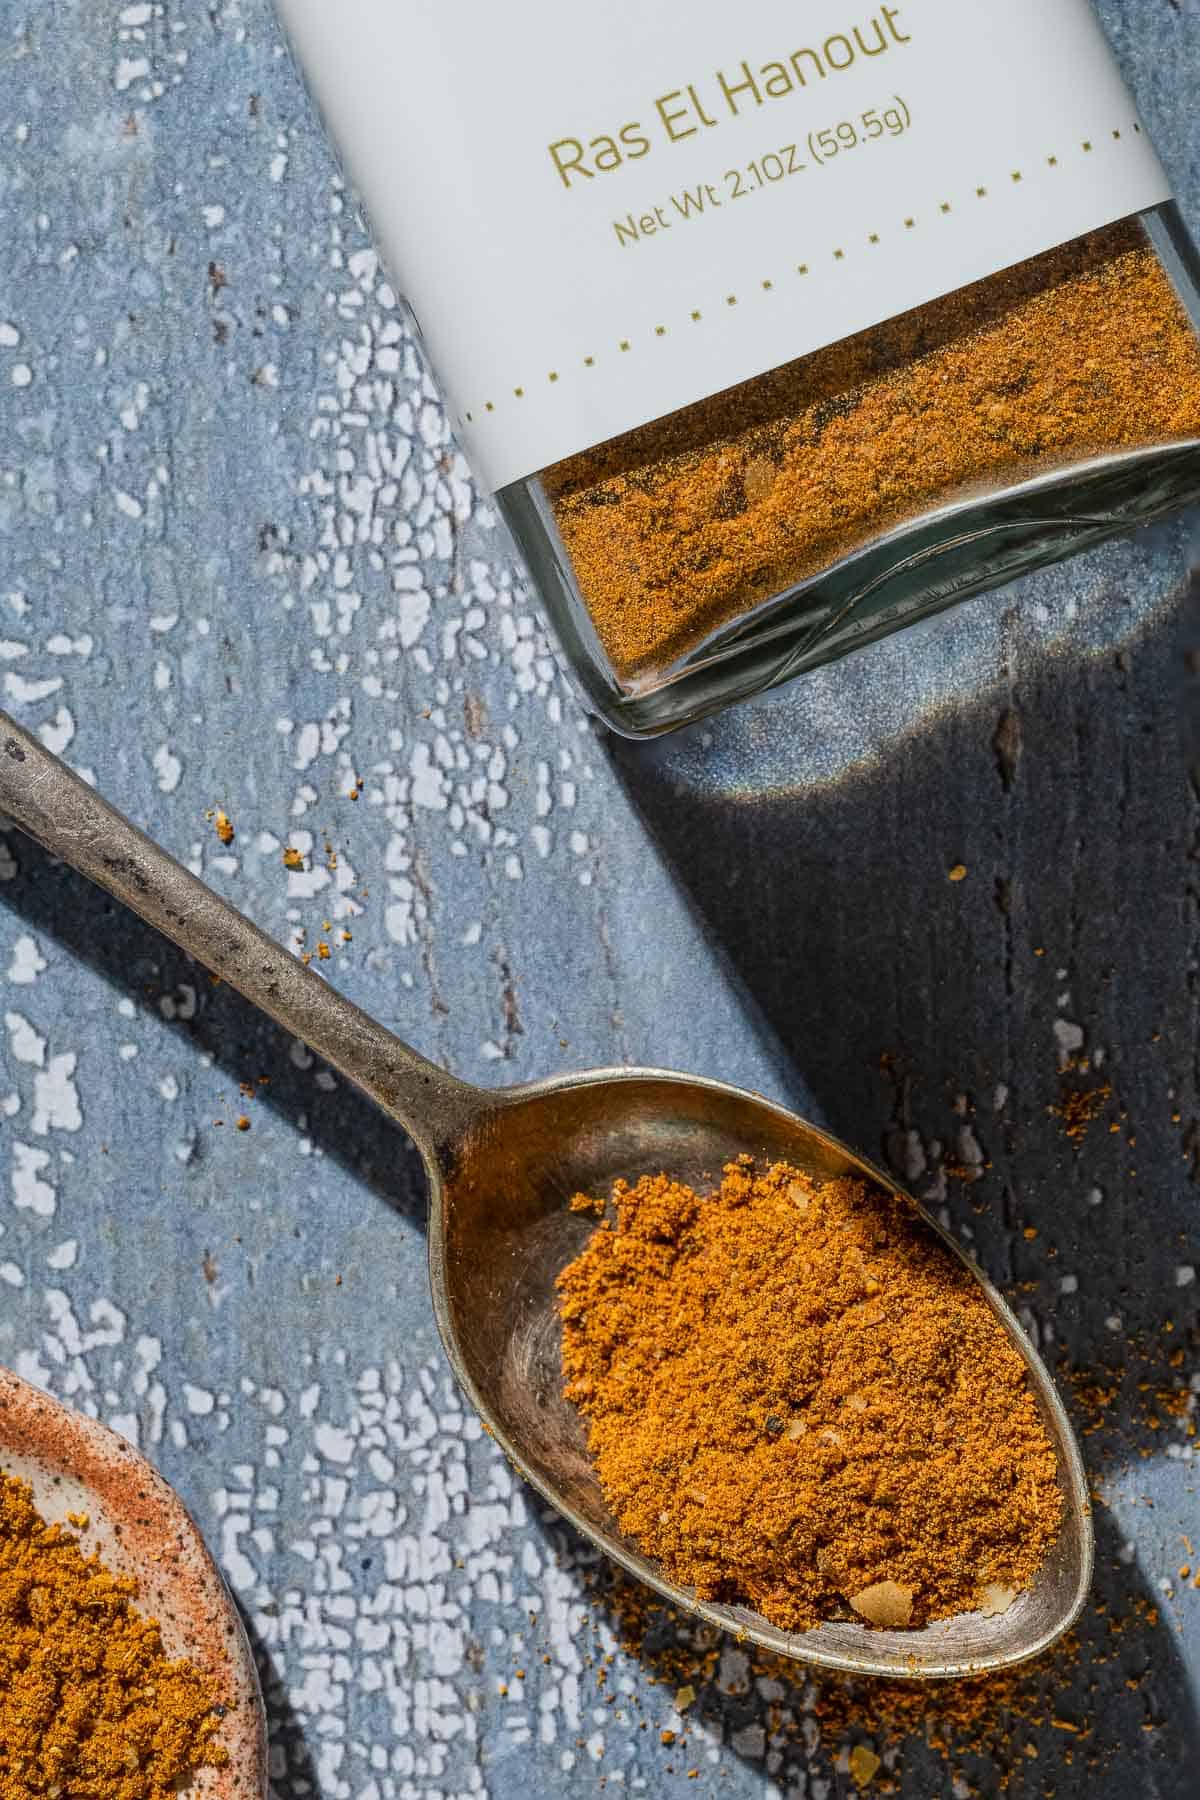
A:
797	1399
91	1707
685	524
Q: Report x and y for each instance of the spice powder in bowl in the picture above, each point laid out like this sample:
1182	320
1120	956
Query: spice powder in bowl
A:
91	1706
798	1401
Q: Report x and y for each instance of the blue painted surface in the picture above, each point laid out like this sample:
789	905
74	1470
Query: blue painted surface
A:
243	568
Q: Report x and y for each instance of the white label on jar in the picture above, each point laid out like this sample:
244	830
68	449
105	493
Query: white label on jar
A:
600	217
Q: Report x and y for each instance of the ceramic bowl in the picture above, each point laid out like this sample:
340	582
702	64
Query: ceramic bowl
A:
140	1527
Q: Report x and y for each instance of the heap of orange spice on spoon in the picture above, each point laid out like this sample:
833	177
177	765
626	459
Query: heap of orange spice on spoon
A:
797	1400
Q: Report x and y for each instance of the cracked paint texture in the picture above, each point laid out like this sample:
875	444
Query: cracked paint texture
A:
245	571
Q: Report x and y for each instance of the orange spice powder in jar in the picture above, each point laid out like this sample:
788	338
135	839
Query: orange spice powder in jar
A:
695	521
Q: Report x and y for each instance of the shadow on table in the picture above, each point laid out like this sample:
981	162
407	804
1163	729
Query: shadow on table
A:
969	939
56	902
292	1766
971	945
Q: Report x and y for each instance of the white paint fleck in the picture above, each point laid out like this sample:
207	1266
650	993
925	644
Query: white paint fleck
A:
30	1193
130	69
58	733
55	1097
429	788
412	615
333	1444
1185	1275
26	1045
27	962
179	1005
308	745
21	375
168	768
970	1150
908	1154
28	693
64	1255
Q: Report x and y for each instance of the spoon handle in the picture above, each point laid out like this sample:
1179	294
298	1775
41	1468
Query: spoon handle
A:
68	818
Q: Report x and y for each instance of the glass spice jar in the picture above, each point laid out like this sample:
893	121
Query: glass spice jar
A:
802	515
734	442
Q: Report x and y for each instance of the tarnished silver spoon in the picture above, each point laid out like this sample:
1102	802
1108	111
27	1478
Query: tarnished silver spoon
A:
502	1167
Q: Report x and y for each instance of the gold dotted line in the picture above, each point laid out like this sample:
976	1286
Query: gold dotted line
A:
625	345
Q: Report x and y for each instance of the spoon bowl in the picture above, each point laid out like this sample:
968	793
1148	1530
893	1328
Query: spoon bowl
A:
502	1167
500	1233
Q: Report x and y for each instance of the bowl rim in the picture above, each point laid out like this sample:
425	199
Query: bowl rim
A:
138	1525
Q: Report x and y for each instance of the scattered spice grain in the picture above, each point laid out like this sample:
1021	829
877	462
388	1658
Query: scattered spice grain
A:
1079	1108
223	826
864	1765
799	1400
962	1737
683	525
91	1707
